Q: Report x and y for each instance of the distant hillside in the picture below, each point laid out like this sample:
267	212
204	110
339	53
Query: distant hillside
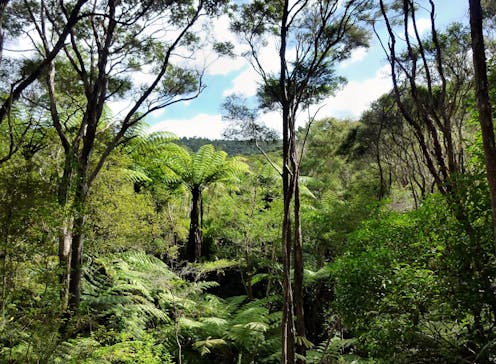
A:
231	147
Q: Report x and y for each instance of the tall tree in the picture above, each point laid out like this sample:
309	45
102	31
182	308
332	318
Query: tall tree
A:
483	101
17	85
431	83
311	36
102	56
198	171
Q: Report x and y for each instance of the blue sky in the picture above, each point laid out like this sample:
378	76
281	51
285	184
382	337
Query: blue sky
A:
366	72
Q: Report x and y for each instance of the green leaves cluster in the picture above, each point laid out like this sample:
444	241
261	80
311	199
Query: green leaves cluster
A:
408	289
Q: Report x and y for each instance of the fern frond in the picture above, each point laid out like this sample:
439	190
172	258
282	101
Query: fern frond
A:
188	324
205	346
134	175
215	321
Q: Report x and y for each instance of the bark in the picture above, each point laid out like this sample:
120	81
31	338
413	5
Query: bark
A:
298	272
3	6
65	243
288	330
194	246
76	263
483	101
76	260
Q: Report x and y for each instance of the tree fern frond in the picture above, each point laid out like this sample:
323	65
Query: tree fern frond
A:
215	321
188	324
134	175
235	302
205	346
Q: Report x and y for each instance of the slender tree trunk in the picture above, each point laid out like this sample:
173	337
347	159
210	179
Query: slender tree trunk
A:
65	243
298	271
483	101
76	261
287	327
3	6
194	246
65	234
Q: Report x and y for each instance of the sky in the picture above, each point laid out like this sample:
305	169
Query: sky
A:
366	72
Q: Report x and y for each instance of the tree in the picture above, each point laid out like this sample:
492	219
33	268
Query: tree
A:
312	36
101	55
3	6
199	171
430	84
385	137
483	101
17	85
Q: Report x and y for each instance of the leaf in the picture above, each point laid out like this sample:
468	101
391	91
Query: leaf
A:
205	346
258	278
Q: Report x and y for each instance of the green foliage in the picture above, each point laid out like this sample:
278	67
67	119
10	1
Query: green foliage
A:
121	219
136	310
29	292
202	168
410	286
231	147
383	283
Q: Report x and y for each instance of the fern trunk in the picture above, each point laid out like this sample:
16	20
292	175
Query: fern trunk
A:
194	247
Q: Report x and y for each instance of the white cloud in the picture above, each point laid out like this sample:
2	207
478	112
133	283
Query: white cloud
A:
356	96
357	55
273	119
223	65
350	102
202	125
21	46
244	84
423	24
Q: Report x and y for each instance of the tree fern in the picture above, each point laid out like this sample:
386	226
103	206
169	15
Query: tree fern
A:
199	171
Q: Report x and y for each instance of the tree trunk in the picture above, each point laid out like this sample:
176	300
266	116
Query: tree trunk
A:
298	271
66	231
194	246
3	6
65	243
76	261
288	330
483	101
287	327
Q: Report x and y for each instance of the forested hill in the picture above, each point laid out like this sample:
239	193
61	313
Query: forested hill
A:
231	147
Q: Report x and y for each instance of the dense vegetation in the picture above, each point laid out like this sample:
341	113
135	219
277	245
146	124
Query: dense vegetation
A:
231	147
122	246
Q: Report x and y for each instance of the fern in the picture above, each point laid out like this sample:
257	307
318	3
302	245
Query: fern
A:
136	304
205	346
